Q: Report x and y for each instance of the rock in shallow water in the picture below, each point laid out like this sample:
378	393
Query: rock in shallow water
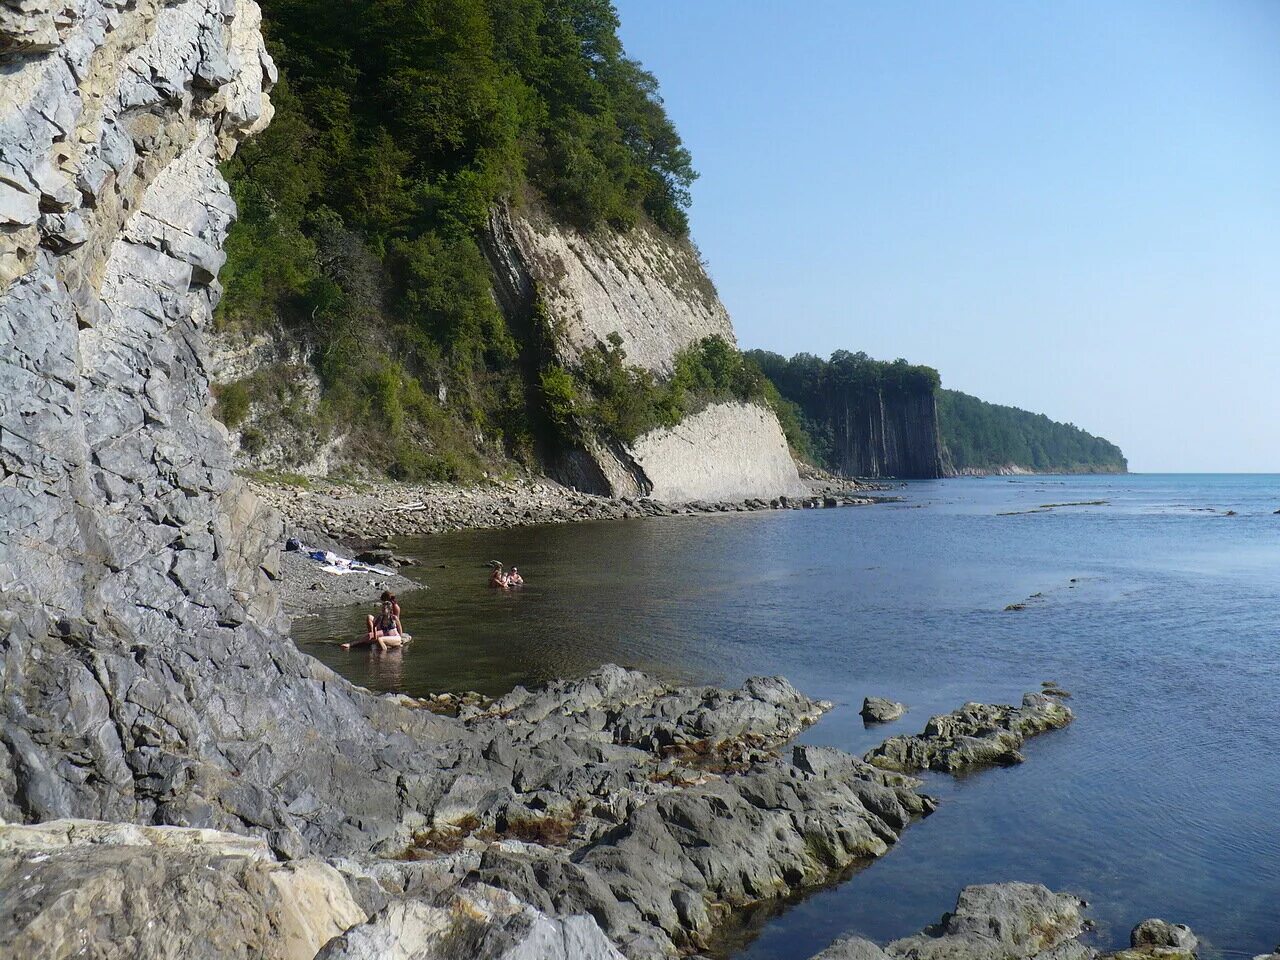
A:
1017	921
880	710
975	735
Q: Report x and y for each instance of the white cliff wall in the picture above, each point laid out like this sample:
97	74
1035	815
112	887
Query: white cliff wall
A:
652	291
736	450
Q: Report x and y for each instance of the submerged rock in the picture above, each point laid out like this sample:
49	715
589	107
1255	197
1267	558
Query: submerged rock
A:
975	735
880	710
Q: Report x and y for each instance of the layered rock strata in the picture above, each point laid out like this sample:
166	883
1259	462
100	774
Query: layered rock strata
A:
142	670
650	291
887	434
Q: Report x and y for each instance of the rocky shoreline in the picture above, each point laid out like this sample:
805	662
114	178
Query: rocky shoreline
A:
359	513
306	587
611	817
614	815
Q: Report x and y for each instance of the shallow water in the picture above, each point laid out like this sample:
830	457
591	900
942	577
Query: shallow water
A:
1161	617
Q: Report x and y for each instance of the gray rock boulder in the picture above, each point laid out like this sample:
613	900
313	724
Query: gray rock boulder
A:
975	735
1157	938
852	948
164	892
1160	933
476	923
880	710
1002	921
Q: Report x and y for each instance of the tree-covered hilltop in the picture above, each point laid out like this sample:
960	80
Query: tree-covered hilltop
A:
399	123
868	417
983	437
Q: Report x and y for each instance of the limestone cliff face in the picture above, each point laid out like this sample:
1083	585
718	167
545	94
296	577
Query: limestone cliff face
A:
653	292
887	434
142	674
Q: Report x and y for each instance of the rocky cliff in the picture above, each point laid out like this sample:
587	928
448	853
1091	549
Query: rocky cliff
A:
651	291
886	434
143	674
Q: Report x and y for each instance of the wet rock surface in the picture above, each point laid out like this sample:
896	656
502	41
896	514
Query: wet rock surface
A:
568	798
975	735
880	710
1016	921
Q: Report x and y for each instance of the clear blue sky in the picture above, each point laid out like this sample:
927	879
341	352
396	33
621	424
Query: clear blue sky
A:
1072	207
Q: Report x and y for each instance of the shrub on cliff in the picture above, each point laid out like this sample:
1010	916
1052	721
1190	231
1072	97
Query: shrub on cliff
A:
399	123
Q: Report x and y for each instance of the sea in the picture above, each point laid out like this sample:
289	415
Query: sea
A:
1153	599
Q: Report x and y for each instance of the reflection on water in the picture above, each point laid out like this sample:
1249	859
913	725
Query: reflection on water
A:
1159	614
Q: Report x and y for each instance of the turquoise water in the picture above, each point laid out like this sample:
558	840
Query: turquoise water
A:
1157	610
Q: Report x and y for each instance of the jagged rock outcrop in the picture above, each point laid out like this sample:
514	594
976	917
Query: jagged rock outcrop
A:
1017	921
653	293
128	892
142	672
977	734
653	810
124	892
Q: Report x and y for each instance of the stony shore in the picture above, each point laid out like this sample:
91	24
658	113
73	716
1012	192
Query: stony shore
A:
360	513
306	587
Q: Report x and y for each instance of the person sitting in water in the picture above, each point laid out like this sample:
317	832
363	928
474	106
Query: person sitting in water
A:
498	578
387	597
385	629
514	579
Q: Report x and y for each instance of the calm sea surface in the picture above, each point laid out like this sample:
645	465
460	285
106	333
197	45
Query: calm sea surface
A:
1156	609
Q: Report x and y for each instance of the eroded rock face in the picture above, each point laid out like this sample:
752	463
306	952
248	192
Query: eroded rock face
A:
652	292
126	892
977	734
142	671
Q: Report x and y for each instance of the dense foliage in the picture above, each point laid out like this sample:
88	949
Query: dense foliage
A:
981	436
398	124
977	436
